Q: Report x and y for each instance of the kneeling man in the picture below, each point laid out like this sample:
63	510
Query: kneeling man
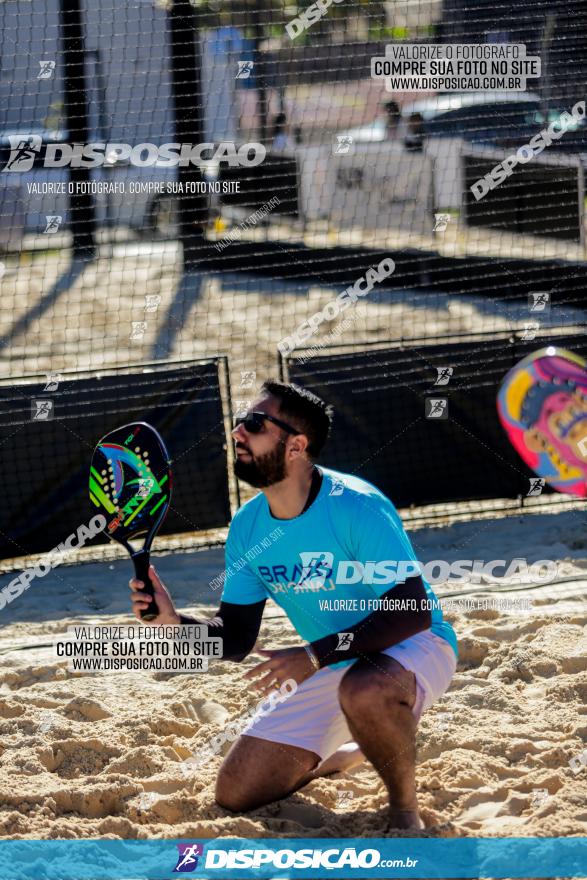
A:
376	651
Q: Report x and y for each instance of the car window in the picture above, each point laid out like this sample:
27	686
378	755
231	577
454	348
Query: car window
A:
487	122
572	124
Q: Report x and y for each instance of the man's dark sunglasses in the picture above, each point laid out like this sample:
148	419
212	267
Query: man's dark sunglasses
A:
253	423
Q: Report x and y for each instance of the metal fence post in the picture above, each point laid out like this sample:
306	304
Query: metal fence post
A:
188	103
81	202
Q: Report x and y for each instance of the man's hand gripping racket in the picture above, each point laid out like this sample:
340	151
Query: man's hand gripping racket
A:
130	483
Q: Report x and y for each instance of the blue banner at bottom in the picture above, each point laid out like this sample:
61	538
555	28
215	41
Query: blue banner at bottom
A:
528	857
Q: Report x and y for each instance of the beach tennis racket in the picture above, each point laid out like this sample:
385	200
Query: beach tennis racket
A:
130	484
542	405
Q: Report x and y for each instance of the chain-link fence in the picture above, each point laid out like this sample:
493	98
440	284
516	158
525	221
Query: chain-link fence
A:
185	180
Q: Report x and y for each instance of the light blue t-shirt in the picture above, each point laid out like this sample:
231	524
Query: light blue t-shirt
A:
309	565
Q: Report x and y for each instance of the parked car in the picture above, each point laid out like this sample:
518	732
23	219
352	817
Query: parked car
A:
449	121
474	116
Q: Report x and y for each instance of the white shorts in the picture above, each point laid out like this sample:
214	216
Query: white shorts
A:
312	718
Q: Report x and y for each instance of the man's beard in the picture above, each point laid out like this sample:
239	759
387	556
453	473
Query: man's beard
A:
262	471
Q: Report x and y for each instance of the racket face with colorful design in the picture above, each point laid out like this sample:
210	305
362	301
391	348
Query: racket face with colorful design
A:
542	405
130	484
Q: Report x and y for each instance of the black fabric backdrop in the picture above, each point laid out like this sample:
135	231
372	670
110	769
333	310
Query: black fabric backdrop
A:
534	200
45	464
380	431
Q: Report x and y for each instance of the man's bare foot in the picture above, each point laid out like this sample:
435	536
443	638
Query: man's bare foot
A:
405	819
345	758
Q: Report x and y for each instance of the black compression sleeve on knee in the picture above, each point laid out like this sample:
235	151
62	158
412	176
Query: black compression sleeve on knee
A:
237	625
381	629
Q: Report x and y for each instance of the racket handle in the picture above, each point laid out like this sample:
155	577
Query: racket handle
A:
141	563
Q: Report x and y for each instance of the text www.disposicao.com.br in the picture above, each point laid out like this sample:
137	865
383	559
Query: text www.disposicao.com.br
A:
141	664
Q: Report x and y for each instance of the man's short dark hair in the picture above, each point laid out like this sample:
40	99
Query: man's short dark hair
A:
307	411
393	110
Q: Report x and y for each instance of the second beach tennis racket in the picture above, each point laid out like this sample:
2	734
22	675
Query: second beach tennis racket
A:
130	483
542	405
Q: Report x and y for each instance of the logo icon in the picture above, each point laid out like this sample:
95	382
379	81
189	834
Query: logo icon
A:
53	380
152	301
344	145
443	720
444	374
41	410
47	722
337	488
539	302
145	487
241	406
23	152
441	221
316	567
344	641
188	857
578	762
245	68
436	408
536	486
138	329
146	800
47	69
530	331
344	797
539	796
53	223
